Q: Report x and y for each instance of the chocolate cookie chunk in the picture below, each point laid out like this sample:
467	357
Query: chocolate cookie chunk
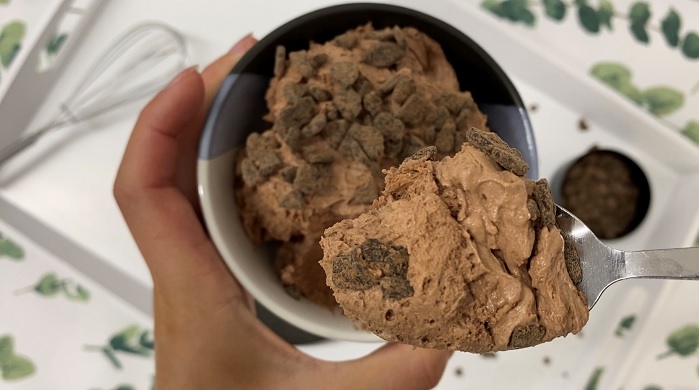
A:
428	153
544	202
393	132
572	262
374	263
279	61
373	103
403	89
526	336
454	102
347	40
289	173
413	111
319	94
317	154
335	131
344	74
312	179
384	54
349	103
492	145
298	113
445	138
315	126
293	200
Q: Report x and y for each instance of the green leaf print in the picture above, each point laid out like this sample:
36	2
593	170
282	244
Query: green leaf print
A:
589	18
605	12
625	325
652	387
612	74
146	340
683	341
513	10
663	100
639	32
618	77
12	365
48	286
4	2
131	340
128	341
111	356
632	93
593	382
74	291
11	37
690	45
494	6
555	9
17	367
517	11
691	130
7	348
10	249
592	20
670	27
639	15
659	100
124	387
55	44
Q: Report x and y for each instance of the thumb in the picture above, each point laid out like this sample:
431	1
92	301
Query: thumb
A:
396	366
216	72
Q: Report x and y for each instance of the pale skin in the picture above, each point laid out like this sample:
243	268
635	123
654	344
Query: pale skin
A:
206	333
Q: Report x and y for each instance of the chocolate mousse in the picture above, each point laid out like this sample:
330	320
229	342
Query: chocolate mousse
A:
341	112
461	254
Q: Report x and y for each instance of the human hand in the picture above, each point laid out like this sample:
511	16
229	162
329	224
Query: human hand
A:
206	333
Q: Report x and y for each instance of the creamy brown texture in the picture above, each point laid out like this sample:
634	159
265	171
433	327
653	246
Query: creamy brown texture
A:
341	112
483	273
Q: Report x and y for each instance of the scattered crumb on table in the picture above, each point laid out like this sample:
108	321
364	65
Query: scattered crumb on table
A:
582	124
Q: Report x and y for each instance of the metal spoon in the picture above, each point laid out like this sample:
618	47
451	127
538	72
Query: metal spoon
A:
603	266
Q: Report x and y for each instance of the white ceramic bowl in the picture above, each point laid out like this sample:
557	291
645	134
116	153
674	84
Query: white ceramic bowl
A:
238	109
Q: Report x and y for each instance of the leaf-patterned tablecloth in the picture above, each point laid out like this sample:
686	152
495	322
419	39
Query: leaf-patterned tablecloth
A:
59	330
17	18
647	51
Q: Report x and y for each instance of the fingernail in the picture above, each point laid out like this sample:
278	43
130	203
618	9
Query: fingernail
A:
243	45
181	75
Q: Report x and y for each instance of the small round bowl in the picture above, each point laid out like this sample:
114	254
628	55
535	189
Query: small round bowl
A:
239	107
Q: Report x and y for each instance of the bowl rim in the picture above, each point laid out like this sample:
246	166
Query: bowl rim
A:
203	184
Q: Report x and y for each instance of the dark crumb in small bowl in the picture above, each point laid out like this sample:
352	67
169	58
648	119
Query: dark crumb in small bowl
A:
607	191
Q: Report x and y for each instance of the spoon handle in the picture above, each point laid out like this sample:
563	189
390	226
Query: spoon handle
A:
680	263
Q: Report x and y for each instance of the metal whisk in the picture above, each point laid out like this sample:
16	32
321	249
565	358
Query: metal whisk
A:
139	63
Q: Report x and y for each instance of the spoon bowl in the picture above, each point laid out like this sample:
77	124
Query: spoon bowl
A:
603	266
